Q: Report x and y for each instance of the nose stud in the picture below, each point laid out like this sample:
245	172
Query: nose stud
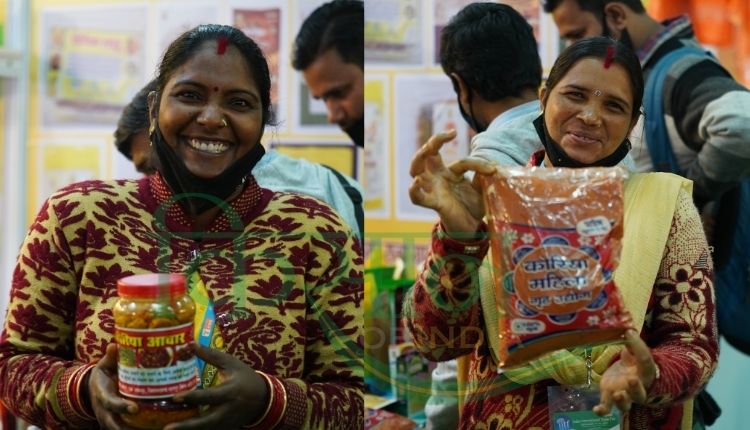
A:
223	122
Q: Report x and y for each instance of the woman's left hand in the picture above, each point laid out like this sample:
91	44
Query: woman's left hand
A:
239	400
627	381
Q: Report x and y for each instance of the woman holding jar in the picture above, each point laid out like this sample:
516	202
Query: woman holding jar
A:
276	277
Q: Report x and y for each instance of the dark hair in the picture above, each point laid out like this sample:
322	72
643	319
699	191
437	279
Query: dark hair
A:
134	118
595	6
184	47
337	24
492	48
596	47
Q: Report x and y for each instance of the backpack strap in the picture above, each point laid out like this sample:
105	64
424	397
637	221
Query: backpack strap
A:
731	255
657	138
355	197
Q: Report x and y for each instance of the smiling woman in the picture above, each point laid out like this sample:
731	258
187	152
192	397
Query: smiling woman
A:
585	125
276	277
210	113
664	274
587	122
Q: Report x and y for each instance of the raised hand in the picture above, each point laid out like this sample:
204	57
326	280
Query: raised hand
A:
627	381
457	200
102	391
239	400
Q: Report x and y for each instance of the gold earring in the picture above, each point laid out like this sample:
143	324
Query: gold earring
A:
151	130
224	122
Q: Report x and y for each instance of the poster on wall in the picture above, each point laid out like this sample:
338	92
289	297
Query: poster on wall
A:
393	32
61	163
341	157
424	105
309	114
173	19
122	167
263	21
377	157
92	62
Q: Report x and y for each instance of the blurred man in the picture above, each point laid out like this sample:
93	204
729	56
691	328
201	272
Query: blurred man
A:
489	53
131	136
329	51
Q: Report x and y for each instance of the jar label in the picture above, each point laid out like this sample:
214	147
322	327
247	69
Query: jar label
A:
156	363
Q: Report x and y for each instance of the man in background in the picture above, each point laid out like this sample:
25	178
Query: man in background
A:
131	135
489	53
329	51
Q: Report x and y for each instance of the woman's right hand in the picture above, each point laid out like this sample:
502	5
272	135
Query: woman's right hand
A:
103	394
457	200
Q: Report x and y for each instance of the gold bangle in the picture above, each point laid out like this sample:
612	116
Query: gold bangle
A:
269	383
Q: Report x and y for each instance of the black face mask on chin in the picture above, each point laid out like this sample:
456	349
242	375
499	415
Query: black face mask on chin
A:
559	158
201	190
356	132
625	38
468	117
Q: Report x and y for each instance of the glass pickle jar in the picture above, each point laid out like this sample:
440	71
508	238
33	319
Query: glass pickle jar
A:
155	360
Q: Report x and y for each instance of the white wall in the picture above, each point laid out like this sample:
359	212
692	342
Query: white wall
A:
729	387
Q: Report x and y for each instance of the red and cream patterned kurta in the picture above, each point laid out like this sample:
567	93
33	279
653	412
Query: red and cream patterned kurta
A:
444	315
286	283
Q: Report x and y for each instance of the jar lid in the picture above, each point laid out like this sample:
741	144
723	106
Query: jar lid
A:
151	285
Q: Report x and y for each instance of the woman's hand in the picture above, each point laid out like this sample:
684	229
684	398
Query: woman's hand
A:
445	189
103	394
239	400
627	381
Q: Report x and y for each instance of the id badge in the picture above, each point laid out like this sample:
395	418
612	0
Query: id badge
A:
570	408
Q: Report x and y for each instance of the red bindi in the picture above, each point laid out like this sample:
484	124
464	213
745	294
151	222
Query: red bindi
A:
221	48
609	57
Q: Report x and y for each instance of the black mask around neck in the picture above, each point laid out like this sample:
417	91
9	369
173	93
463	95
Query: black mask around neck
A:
559	158
468	117
626	39
182	181
356	132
